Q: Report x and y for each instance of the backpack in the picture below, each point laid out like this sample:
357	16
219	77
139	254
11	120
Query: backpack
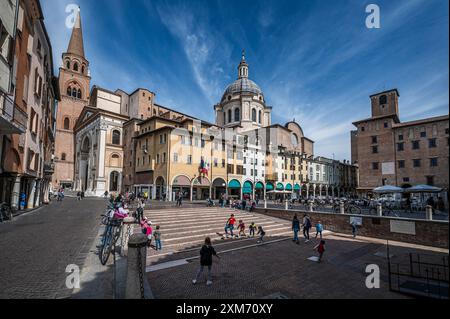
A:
308	223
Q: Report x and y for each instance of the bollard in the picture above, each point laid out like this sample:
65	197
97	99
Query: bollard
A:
379	210
265	203
429	212
311	208
137	247
286	204
341	207
127	229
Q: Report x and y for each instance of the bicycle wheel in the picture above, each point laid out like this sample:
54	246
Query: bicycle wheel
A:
105	250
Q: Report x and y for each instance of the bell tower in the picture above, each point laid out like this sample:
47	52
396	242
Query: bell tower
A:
74	86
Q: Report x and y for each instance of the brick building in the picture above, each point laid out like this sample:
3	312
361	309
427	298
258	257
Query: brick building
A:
392	152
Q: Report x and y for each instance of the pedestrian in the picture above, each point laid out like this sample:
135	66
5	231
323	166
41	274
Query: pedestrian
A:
295	228
147	230
252	229
206	254
82	194
261	234
306	227
440	204
157	236
230	225
105	194
78	195
241	228
244	204
319	229
320	249
353	224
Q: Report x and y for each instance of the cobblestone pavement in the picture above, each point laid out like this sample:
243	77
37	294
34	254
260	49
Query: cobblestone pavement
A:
36	247
248	270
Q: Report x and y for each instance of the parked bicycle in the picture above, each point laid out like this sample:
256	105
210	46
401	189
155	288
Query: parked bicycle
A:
5	212
349	208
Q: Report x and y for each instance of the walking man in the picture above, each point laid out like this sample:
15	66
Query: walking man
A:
306	227
295	228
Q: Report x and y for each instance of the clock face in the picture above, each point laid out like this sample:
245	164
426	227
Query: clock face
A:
294	139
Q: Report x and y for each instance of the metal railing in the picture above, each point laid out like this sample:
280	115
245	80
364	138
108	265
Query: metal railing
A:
12	113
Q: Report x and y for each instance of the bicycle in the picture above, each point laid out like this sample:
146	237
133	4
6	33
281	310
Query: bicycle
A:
5	212
110	236
348	209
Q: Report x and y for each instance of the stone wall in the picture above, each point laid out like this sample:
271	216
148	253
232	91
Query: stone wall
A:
428	233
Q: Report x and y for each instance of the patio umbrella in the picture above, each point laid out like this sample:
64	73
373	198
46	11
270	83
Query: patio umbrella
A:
388	189
423	189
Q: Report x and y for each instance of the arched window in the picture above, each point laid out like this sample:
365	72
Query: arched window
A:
82	69
79	94
69	91
237	115
259	117
75	67
66	123
253	115
383	99
68	65
63	156
74	92
116	137
229	116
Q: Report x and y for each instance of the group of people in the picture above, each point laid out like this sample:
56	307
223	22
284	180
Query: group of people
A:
147	230
80	195
231	224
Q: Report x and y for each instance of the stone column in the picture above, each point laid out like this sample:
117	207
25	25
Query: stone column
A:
429	212
101	149
30	203
15	194
307	191
136	267
242	194
38	193
127	230
311	208
379	210
192	191
286	204
342	207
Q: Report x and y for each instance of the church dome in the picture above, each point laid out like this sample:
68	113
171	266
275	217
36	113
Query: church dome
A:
242	85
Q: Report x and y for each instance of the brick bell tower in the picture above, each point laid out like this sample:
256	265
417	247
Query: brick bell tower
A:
74	86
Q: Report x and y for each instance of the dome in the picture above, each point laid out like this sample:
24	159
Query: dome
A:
242	85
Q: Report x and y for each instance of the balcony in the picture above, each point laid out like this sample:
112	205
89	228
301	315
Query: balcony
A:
12	119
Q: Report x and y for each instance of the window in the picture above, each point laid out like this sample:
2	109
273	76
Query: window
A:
189	159
68	65
75	67
432	143
383	99
400	147
386	124
63	156
375	165
363	128
66	123
251	172
374	140
203	143
423	134
401	164
416	162
430	180
183	139
237	115
229	116
446	131
223	163
82	69
374	149
79	94
164	158
175	157
415	145
116	137
74	92
400	137
196	142
157	158
405	179
253	115
259	117
215	162
433	162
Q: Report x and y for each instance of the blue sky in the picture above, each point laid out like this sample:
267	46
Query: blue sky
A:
315	60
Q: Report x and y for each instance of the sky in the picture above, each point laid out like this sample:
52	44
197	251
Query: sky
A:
315	60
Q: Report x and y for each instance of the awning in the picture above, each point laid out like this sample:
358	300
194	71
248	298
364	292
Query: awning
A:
259	185
248	188
234	184
269	187
423	189
297	187
280	187
288	187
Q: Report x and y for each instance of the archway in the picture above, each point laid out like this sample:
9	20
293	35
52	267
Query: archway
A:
234	188
247	189
259	190
181	185
201	188
219	187
114	181
160	188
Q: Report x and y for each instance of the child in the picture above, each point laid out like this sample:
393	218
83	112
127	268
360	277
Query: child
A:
353	224
206	254
157	235
261	234
147	230
319	229
252	229
241	228
230	225
320	249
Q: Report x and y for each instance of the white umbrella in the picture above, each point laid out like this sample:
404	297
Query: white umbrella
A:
423	189
388	189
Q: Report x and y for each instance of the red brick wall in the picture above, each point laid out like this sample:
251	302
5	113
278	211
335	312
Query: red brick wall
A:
428	233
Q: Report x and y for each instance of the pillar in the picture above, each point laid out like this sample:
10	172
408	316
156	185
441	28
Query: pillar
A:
307	191
379	210
15	194
429	212
30	203
137	244
342	207
191	194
